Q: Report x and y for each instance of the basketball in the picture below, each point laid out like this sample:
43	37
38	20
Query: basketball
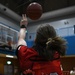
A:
34	11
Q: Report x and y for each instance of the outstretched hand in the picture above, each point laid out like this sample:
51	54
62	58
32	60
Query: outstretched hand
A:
24	20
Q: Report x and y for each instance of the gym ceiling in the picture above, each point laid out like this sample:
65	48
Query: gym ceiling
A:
19	6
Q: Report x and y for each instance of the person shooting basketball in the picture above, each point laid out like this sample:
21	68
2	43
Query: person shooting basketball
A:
44	57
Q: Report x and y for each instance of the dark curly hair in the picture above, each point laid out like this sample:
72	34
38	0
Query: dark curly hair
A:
47	42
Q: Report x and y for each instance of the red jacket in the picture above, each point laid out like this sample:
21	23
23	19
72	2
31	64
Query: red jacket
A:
25	55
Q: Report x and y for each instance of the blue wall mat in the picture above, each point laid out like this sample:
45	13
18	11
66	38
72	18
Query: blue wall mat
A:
70	45
30	43
3	51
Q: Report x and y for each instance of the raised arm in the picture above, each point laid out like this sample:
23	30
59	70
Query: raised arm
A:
22	32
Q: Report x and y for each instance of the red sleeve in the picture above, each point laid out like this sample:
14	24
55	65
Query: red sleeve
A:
24	55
